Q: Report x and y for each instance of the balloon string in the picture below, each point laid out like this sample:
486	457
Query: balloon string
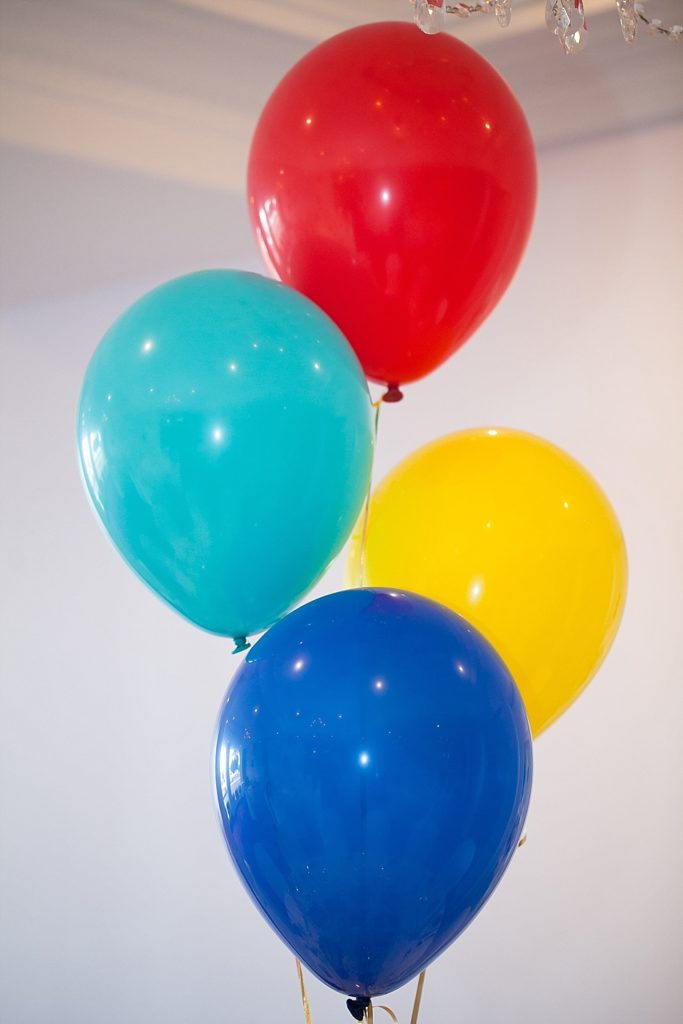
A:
389	1012
366	508
369	1013
418	997
304	998
416	1005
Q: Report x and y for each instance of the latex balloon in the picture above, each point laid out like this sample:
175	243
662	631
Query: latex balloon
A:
225	435
372	770
392	179
513	533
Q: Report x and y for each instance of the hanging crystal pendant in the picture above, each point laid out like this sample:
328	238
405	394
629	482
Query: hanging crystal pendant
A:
628	19
430	16
566	20
556	17
503	11
575	38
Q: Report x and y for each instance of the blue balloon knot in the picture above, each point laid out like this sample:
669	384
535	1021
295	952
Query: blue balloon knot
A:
358	1006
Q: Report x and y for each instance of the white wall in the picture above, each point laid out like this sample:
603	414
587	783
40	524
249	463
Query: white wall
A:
119	904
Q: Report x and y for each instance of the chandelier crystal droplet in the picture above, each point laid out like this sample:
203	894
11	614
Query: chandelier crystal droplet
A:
565	18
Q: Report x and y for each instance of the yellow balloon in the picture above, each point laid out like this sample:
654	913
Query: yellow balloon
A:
514	535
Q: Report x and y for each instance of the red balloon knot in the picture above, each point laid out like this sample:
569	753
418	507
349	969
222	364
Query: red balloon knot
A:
392	394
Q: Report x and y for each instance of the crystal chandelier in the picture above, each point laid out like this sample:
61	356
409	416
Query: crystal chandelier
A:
564	18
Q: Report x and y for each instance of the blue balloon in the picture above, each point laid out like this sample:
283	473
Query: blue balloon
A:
373	772
225	435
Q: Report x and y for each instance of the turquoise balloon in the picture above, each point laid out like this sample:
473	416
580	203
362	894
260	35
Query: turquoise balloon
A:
225	435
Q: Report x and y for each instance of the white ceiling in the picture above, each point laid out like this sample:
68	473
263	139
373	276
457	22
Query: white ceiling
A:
103	97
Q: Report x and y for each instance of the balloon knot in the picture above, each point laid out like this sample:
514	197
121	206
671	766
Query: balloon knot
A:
392	394
358	1006
241	644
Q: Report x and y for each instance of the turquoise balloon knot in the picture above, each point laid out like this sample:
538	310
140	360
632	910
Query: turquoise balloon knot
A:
241	644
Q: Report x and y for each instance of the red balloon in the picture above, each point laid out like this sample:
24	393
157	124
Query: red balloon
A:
392	180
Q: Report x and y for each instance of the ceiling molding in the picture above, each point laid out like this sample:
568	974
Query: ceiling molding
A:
304	19
314	20
75	113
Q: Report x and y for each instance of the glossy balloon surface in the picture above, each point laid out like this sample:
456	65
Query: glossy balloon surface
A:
514	534
225	437
392	179
373	770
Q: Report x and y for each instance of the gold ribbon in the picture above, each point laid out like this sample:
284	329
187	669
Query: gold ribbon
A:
366	507
304	997
418	997
369	1016
387	1011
